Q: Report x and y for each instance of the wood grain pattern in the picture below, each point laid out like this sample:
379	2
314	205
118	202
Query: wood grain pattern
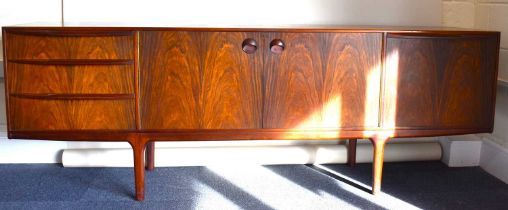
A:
36	114
138	144
68	32
231	95
52	96
377	162
226	134
198	80
321	80
150	156
86	79
6	79
73	61
69	47
294	81
169	80
351	152
443	82
136	78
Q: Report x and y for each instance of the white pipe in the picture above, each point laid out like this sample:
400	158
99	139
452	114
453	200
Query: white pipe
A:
261	155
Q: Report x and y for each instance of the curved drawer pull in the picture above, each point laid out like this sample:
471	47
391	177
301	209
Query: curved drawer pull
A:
277	46
249	46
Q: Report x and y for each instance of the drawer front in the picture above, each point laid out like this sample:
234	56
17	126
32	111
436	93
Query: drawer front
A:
35	114
71	79
72	46
323	80
440	82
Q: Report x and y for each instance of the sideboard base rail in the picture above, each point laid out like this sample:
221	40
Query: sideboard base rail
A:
235	134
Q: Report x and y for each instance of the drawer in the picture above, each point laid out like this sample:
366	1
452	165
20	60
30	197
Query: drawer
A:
71	79
28	114
69	46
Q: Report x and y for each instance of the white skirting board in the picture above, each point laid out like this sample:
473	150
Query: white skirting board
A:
494	159
260	155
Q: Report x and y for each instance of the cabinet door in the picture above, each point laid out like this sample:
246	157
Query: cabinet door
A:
323	80
199	80
440	82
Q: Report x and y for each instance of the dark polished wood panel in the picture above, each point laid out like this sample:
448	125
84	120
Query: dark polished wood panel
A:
37	114
67	32
294	82
79	96
86	79
169	80
231	95
225	134
198	80
323	80
69	47
73	61
441	82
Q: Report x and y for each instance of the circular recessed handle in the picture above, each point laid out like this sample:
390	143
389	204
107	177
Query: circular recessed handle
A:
249	46
277	46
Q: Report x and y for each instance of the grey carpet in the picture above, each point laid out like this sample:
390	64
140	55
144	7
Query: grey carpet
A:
426	185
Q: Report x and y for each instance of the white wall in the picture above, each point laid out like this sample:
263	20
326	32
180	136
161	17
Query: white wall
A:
264	13
260	12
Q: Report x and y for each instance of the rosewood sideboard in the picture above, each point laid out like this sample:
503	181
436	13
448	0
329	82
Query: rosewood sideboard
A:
146	84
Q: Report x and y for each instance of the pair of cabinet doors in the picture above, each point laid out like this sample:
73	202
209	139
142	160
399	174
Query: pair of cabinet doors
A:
204	80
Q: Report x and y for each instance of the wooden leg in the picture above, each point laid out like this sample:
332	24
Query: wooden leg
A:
138	147
377	165
150	153
351	152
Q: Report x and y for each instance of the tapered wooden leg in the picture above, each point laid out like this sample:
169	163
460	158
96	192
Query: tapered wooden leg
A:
377	165
150	153
351	152
138	147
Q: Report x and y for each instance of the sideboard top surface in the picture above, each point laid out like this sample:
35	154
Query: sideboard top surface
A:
283	28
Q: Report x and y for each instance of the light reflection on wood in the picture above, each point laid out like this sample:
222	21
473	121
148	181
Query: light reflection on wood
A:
372	97
390	92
